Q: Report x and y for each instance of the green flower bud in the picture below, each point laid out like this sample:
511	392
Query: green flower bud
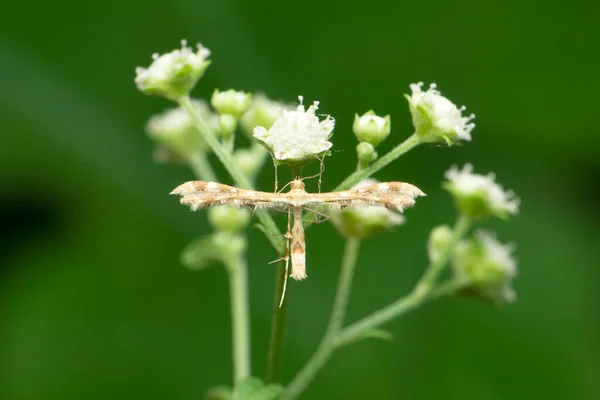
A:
365	221
438	242
478	196
371	128
228	218
173	74
488	264
231	102
436	119
227	124
366	153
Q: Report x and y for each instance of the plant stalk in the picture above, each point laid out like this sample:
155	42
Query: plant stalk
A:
328	343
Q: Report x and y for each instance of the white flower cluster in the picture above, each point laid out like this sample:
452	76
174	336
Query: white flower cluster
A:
173	74
437	119
479	195
489	264
297	136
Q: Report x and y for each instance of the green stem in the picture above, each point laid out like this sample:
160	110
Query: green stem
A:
363	173
201	167
430	276
328	343
273	234
276	341
238	290
396	309
229	143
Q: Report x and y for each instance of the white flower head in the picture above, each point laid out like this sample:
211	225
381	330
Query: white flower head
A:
479	195
173	74
297	136
488	264
175	132
437	119
371	128
365	221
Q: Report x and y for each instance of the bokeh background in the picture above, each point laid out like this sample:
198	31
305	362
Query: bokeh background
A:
93	301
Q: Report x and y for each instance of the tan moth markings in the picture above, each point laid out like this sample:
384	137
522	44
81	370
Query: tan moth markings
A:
393	195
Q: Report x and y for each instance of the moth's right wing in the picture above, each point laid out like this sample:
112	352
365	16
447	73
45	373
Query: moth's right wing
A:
200	194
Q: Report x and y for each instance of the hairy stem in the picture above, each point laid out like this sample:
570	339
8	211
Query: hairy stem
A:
328	343
273	234
238	290
276	340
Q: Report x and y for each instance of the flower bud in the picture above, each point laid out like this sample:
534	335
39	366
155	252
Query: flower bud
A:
436	119
227	124
231	102
478	196
371	128
228	218
173	74
488	264
366	153
438	242
297	136
364	221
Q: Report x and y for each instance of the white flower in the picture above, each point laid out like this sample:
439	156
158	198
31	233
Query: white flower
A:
437	119
478	195
365	221
173	74
488	264
371	128
297	136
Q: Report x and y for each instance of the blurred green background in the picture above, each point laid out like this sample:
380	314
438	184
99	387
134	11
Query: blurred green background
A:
93	301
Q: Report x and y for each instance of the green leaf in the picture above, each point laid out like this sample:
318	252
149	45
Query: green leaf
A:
255	389
201	253
219	393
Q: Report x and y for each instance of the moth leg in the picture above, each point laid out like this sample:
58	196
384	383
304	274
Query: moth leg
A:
316	213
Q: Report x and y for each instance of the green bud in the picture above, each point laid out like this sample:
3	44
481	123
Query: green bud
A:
173	74
488	264
227	124
366	153
231	102
371	128
438	242
228	218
